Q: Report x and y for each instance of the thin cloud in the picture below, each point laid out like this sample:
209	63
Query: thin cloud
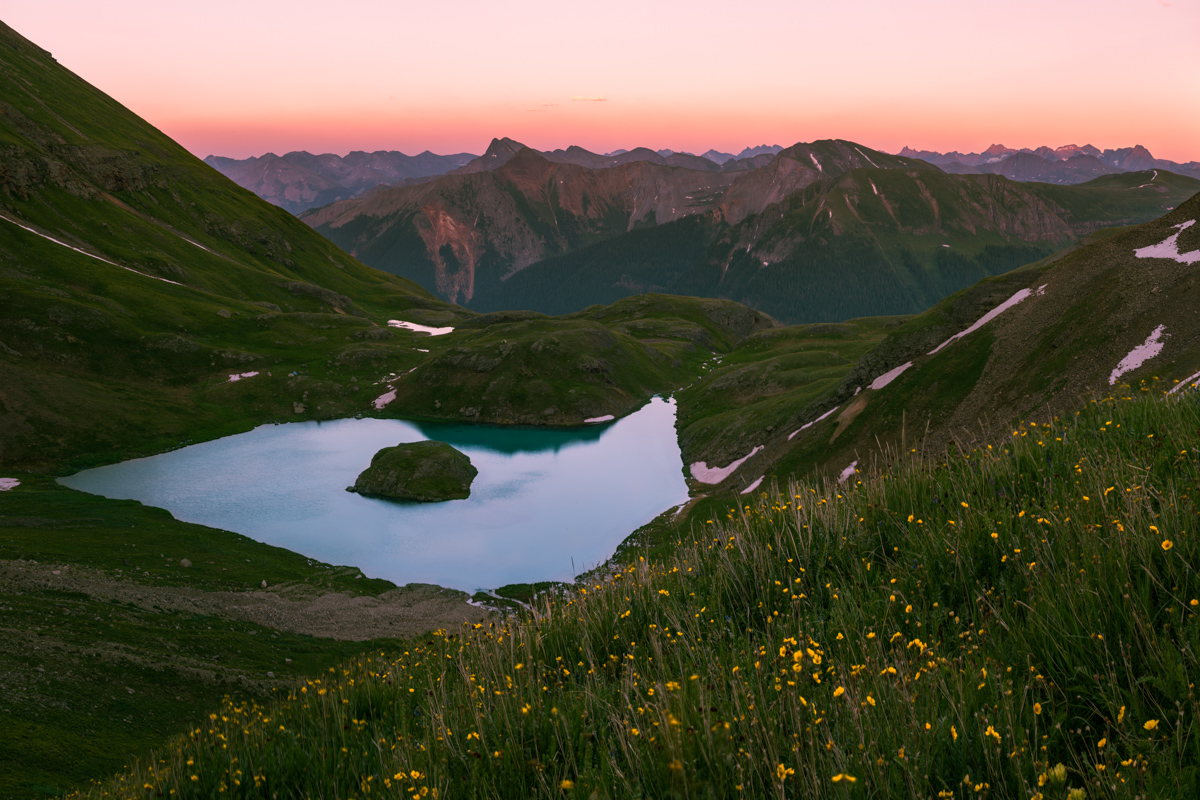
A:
596	99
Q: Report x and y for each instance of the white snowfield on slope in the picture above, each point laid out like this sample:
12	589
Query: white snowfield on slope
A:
706	474
1169	247
412	326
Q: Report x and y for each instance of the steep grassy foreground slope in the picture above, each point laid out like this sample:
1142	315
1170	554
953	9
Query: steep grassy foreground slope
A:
1019	621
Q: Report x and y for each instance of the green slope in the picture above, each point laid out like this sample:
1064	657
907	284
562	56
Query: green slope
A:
136	279
1078	316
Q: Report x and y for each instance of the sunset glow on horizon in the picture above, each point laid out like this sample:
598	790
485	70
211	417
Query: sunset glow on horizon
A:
244	78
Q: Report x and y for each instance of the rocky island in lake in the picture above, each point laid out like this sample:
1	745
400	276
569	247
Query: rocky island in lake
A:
427	472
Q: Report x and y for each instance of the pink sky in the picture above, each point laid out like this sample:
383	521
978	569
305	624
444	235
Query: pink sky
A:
246	77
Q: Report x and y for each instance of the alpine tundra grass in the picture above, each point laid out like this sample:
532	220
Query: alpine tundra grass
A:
1017	621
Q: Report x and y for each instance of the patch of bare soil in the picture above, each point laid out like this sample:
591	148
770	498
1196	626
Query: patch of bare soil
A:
402	612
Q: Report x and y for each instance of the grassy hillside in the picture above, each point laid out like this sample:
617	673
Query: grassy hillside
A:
526	368
1073	319
111	644
136	279
1017	621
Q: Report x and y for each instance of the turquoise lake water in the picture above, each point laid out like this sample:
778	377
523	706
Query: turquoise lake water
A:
546	504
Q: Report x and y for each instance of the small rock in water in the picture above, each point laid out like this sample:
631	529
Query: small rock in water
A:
427	472
183	562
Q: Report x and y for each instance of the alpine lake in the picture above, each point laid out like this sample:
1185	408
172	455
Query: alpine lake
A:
547	503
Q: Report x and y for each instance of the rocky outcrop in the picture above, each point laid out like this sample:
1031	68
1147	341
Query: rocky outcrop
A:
427	472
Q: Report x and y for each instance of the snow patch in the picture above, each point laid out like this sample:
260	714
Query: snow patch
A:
848	472
1140	354
808	425
1169	247
8	483
873	187
412	326
240	375
995	312
754	485
818	163
384	399
706	474
889	376
605	418
868	158
1190	380
197	244
86	253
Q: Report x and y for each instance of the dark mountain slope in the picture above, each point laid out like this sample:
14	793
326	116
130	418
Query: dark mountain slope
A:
848	240
463	234
1025	345
132	272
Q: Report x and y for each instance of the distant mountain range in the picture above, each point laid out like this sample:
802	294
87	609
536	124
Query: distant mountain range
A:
299	180
820	231
501	150
1067	164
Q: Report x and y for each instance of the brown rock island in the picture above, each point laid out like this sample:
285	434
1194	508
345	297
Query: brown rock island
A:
427	472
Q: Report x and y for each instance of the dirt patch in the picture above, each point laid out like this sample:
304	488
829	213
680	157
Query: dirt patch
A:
847	416
402	612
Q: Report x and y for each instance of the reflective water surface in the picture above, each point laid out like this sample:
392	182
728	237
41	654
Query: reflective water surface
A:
545	505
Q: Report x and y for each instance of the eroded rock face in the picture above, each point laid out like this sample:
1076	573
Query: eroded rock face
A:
427	472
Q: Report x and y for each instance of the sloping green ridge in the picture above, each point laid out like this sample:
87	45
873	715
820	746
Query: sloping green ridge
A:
1082	314
103	347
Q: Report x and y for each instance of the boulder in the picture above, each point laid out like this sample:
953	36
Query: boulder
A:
427	472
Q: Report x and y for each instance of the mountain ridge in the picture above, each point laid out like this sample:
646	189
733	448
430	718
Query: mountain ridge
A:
1067	164
897	226
300	180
